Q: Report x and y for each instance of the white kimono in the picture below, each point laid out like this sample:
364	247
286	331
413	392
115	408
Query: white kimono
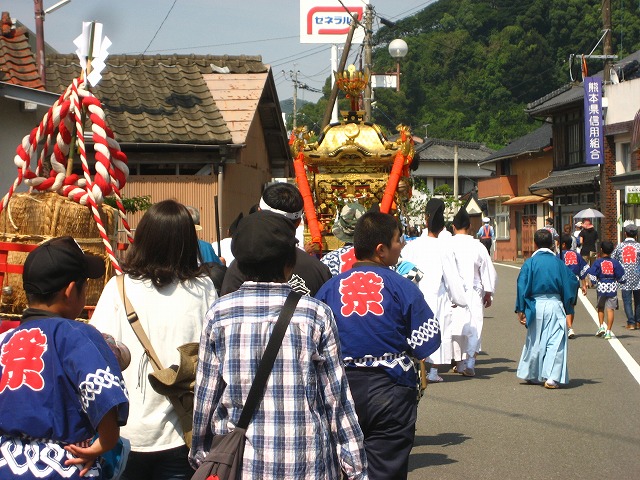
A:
441	285
479	277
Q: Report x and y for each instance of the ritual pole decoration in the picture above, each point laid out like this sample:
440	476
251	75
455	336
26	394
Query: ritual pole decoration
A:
403	157
111	169
296	143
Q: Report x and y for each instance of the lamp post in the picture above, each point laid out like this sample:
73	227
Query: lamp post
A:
398	49
40	12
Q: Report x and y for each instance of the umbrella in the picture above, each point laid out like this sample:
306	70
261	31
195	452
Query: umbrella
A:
589	213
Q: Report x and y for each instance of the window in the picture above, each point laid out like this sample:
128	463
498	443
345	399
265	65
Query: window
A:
568	139
505	167
502	221
625	156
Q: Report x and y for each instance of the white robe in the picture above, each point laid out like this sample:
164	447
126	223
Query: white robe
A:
479	277
441	285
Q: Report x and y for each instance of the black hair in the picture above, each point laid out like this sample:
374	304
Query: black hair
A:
165	246
543	238
47	298
373	229
272	271
283	196
606	246
566	241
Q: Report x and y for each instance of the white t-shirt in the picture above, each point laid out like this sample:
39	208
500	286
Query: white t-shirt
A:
171	316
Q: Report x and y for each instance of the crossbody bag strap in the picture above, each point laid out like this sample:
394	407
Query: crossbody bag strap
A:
268	358
134	321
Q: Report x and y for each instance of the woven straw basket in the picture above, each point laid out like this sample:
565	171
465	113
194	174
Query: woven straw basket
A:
36	218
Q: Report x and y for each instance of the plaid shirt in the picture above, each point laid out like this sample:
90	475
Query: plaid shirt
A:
306	426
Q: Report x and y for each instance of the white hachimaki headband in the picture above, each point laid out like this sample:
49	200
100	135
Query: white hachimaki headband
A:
289	215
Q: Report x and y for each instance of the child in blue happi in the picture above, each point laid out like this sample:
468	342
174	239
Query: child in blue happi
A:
60	384
578	266
607	272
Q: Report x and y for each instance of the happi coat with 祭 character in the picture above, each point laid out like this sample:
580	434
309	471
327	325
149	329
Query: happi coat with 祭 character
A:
546	293
383	320
58	378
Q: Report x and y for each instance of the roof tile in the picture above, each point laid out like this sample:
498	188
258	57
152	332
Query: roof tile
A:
17	62
158	98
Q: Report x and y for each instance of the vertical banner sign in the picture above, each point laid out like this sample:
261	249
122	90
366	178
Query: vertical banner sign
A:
593	132
328	21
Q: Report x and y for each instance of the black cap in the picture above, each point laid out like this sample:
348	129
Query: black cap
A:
435	210
56	263
263	236
461	220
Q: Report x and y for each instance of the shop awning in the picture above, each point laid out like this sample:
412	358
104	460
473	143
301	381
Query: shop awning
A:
526	200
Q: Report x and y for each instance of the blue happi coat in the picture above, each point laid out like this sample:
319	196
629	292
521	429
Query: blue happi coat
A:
383	320
58	378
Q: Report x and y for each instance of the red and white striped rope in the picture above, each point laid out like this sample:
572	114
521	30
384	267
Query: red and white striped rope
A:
111	168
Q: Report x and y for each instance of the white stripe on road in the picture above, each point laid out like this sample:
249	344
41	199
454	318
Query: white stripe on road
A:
622	352
626	358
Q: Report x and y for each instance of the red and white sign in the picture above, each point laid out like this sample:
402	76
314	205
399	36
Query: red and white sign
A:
327	21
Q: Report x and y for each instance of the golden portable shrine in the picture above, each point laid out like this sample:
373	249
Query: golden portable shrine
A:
351	161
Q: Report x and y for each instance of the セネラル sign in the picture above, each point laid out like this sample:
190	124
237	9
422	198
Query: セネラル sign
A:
328	21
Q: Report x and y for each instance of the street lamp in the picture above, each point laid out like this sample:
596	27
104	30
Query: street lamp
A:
398	49
40	12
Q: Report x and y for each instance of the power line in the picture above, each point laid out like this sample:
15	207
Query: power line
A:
158	30
226	44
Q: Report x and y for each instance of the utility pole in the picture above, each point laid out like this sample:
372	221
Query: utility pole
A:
294	76
368	34
607	46
38	9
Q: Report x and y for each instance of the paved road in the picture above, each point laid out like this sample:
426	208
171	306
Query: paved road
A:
494	426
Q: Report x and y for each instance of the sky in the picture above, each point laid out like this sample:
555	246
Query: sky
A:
270	28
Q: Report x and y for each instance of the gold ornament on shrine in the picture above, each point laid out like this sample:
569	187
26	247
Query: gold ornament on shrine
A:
352	160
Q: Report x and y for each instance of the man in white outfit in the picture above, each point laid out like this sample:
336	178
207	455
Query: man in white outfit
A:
442	286
479	277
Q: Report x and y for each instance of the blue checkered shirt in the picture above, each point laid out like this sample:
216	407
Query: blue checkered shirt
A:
628	254
306	426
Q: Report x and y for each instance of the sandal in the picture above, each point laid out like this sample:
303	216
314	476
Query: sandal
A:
435	380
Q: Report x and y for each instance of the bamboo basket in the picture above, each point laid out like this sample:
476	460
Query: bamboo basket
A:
38	217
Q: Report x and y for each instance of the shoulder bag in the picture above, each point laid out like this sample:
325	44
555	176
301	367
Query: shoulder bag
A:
175	382
224	460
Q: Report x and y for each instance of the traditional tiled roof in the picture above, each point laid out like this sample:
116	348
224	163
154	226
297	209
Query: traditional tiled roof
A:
434	149
158	98
17	62
533	142
568	178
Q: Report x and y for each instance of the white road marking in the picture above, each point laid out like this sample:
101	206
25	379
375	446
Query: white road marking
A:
622	352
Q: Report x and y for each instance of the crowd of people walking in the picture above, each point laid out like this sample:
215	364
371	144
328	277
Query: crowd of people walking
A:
374	321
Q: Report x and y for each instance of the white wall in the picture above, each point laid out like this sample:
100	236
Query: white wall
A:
623	101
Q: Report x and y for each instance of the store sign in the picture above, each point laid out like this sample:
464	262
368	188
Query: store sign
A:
593	131
632	195
328	21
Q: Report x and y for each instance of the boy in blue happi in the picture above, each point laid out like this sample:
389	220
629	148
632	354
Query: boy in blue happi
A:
383	321
608	272
60	383
578	266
